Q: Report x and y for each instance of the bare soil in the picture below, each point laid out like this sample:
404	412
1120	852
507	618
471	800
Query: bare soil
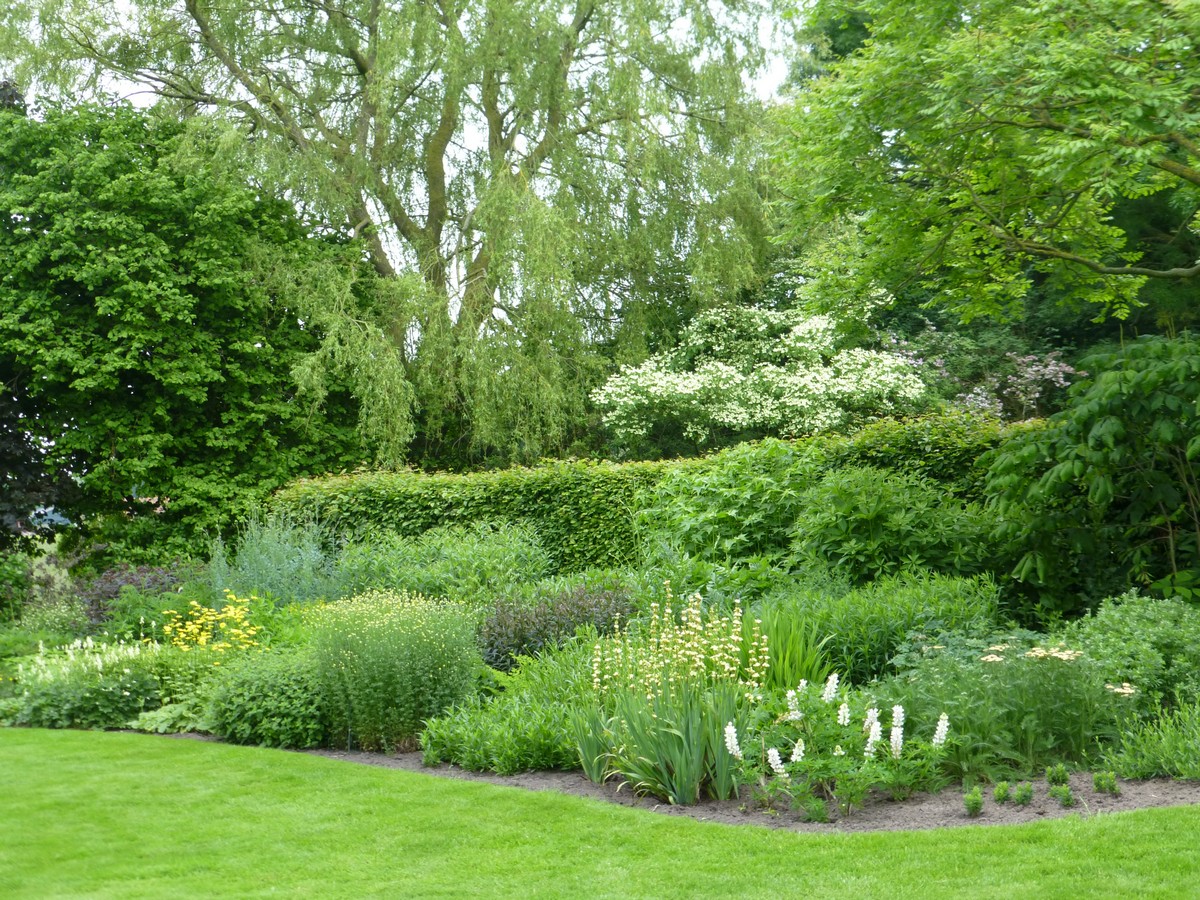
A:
922	811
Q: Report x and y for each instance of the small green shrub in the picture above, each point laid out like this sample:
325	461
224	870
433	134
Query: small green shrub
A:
1106	783
1002	792
272	699
973	801
1057	774
386	661
546	614
472	565
1062	793
866	626
1023	794
864	522
1168	746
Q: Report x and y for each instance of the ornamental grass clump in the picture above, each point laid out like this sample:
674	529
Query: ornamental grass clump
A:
664	695
386	661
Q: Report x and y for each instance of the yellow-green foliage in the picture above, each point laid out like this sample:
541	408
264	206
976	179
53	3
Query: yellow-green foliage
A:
684	647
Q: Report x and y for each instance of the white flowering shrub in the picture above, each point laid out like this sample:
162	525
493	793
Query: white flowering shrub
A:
745	370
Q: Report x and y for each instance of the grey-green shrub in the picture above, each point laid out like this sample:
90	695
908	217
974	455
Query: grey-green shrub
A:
272	699
471	565
287	559
866	626
386	661
1168	746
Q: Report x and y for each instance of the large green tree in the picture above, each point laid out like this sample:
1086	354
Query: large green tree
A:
979	149
143	351
542	172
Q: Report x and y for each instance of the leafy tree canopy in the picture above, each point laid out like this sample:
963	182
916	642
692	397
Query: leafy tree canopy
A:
978	149
143	351
547	171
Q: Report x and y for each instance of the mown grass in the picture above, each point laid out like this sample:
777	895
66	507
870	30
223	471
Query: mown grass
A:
123	815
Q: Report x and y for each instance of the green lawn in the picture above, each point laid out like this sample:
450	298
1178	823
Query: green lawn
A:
122	815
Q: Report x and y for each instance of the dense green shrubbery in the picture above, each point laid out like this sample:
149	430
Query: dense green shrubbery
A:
739	503
1015	699
867	625
581	511
865	522
467	564
16	579
946	449
526	726
1109	491
101	592
544	615
1152	644
387	661
272	699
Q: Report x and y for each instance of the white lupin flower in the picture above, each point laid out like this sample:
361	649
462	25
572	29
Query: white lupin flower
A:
838	751
776	763
897	740
873	737
798	751
731	741
844	714
897	716
831	686
943	728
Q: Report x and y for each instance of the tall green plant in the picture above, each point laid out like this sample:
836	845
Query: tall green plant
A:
1114	475
387	661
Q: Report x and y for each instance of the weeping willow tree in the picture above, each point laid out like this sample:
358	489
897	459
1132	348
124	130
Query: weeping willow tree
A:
530	180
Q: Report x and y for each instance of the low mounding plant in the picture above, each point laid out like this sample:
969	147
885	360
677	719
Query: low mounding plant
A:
526	726
1150	644
101	593
865	522
387	660
866	626
1015	703
829	743
272	699
1168	746
546	614
87	685
472	565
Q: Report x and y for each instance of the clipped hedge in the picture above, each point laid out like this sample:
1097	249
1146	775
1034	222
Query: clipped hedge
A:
943	448
582	511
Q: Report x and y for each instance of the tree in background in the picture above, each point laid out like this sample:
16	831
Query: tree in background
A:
536	178
739	373
142	347
977	150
